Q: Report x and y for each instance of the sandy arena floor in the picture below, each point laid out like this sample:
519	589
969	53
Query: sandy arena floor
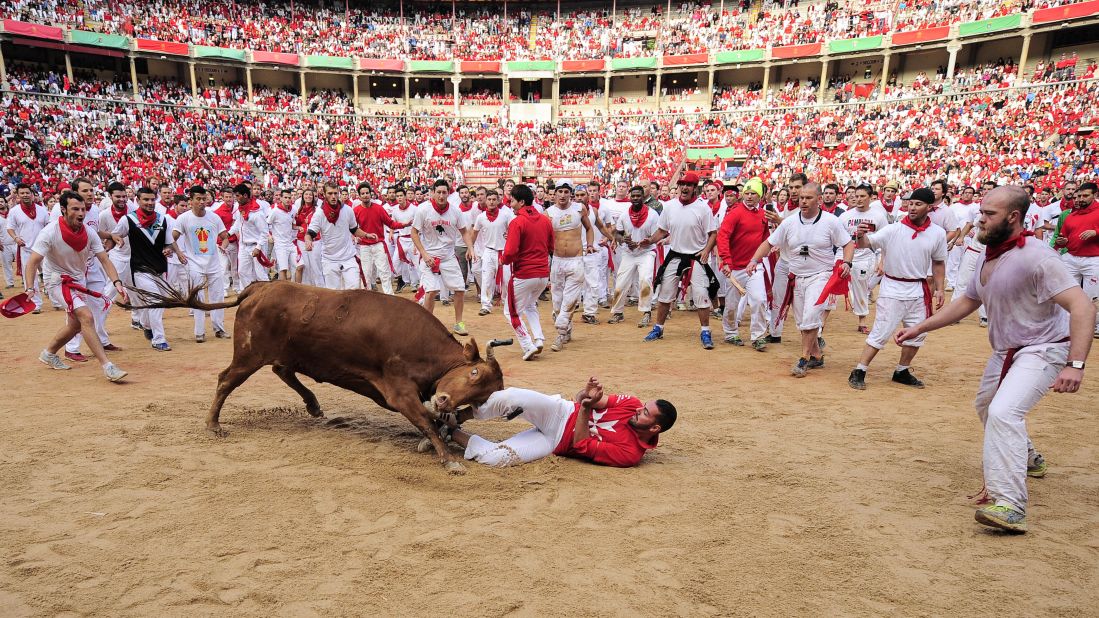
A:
771	496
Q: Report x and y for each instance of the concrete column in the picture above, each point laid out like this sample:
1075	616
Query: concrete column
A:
407	99
555	98
884	75
248	84
710	81
355	93
69	66
457	97
194	82
656	88
766	85
505	89
607	92
1023	59
953	61
3	71
304	94
823	79
133	74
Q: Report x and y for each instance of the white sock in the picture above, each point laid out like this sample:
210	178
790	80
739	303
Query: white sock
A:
705	329
902	367
861	367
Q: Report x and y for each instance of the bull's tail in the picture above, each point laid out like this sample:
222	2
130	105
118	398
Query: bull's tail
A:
167	297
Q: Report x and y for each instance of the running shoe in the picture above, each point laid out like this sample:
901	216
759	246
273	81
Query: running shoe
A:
162	347
646	319
460	329
110	347
800	369
654	334
530	354
773	339
1002	517
1036	467
76	357
983	323
857	379
200	338
220	334
558	343
815	363
53	361
707	340
760	344
540	344
616	318
905	377
483	312
113	373
734	340
590	319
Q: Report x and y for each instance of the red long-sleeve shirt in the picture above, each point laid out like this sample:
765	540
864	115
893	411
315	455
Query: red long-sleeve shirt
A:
529	244
1080	221
742	231
373	219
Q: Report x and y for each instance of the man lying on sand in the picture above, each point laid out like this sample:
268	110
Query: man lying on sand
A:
612	430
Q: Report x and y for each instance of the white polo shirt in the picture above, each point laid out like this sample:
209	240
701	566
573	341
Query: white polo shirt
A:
907	258
821	235
688	225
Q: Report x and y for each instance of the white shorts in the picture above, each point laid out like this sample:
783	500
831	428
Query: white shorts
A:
286	257
669	286
449	276
53	290
807	314
892	312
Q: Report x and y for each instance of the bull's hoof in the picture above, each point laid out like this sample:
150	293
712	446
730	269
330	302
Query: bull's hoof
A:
425	445
454	467
217	431
314	411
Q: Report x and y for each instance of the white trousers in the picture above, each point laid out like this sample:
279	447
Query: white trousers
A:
214	293
490	262
862	280
341	275
756	290
285	258
779	283
25	257
633	268
953	264
549	415
1085	270
152	319
808	315
408	271
312	272
7	255
248	268
521	305
229	265
96	282
566	286
698	290
1003	410
595	279
376	264
965	275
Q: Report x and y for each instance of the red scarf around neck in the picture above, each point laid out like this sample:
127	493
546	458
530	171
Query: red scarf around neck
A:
145	219
440	209
77	239
118	214
715	205
248	209
638	217
907	222
492	214
173	213
331	213
405	207
464	207
32	212
994	251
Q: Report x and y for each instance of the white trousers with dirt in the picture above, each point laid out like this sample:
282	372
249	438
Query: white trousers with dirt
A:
635	268
756	290
548	414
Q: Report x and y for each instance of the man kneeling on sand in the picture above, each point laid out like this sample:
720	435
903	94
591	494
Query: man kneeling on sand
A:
612	430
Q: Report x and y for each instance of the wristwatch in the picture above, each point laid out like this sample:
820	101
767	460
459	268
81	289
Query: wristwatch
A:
1076	364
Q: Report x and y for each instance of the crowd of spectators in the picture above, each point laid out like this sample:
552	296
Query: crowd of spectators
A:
481	32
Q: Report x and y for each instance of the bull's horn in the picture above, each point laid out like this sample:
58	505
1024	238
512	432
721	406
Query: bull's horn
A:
492	344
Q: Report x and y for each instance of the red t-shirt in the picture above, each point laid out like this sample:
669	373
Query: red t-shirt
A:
1080	221
373	219
614	442
529	244
742	231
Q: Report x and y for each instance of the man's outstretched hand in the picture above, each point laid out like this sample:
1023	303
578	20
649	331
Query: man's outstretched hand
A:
592	392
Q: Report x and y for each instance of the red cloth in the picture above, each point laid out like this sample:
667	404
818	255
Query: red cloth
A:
837	284
248	209
440	209
926	291
304	216
32	212
907	222
225	213
615	443
145	219
1077	222
118	214
77	239
994	251
69	285
638	218
741	233
331	213
529	244
373	219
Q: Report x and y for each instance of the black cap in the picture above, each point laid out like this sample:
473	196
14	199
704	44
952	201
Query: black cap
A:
925	195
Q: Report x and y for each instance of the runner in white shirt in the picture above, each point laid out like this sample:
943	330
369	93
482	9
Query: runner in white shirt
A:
202	231
435	229
638	263
407	259
688	223
26	218
865	263
963	208
491	228
116	208
281	224
335	223
95	277
596	263
63	255
909	247
250	225
808	240
7	245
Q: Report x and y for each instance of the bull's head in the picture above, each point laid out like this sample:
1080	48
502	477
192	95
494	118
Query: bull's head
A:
471	382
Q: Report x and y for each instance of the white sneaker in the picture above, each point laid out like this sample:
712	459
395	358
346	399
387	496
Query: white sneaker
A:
539	344
528	355
113	373
558	343
52	361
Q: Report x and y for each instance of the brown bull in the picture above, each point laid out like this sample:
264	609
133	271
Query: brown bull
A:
384	347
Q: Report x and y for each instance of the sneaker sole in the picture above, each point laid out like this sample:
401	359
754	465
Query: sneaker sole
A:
992	522
858	387
52	367
908	385
1036	474
118	378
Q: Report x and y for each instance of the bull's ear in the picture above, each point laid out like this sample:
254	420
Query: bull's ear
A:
473	354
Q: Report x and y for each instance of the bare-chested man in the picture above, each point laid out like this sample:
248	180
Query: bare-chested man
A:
567	269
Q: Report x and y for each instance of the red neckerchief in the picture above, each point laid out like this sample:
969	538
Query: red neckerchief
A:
331	213
405	207
638	218
443	209
225	212
118	214
1067	204
464	207
248	209
492	214
305	213
32	213
283	208
145	219
907	222
594	204
76	239
994	251
828	210
715	206
173	213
